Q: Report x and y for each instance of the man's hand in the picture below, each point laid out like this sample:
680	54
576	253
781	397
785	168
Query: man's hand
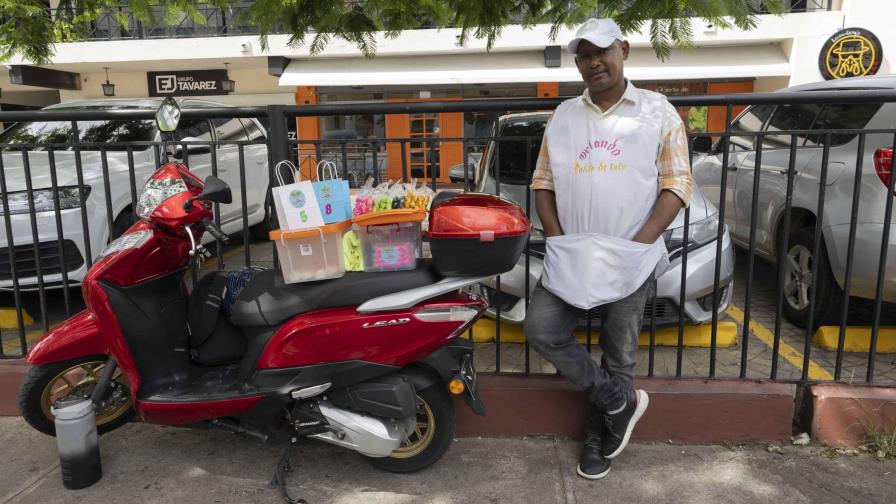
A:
546	206
664	211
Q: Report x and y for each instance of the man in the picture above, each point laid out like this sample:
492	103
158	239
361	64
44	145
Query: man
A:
612	174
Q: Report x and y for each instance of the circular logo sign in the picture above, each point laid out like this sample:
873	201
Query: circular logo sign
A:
852	52
297	199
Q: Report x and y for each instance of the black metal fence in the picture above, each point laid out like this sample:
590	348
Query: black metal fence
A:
782	175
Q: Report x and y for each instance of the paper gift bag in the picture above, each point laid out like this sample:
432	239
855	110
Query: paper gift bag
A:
333	196
296	204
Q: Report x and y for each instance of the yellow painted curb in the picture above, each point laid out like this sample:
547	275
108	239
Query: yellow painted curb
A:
856	339
694	336
8	319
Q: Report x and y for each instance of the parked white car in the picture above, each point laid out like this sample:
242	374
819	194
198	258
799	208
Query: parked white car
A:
77	245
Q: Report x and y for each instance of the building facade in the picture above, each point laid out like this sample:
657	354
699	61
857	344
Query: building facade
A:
432	64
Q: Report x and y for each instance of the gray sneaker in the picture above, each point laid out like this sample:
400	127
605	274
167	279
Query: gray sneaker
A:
619	426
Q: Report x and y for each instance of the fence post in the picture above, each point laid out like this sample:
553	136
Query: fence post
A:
278	150
278	140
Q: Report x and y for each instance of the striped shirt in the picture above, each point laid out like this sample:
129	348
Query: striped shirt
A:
672	160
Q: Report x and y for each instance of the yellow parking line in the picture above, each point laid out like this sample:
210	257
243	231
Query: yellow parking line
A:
856	339
694	336
786	351
9	320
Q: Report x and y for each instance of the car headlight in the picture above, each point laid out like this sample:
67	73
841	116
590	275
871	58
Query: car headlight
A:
699	233
69	197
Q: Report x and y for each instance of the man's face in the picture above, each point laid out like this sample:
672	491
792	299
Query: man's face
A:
601	68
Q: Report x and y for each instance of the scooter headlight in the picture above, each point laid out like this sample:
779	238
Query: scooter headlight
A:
125	242
156	191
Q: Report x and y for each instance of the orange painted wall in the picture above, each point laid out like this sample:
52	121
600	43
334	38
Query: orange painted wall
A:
547	89
307	128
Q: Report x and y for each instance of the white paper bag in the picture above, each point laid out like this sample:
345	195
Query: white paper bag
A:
296	203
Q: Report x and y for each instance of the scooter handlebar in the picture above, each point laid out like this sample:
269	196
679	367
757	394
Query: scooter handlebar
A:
215	231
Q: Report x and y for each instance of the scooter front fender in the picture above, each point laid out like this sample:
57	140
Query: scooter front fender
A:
78	336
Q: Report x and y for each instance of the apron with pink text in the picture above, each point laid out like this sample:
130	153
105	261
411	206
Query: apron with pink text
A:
605	183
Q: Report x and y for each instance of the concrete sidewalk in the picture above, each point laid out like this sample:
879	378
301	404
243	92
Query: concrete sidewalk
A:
151	464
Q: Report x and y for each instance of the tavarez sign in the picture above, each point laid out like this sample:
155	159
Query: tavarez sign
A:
186	83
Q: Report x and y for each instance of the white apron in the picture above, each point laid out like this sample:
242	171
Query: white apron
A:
605	183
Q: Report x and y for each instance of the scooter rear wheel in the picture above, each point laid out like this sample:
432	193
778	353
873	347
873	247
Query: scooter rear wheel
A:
47	383
431	438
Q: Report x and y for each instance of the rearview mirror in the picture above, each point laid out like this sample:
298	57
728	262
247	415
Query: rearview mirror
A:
702	144
214	190
168	115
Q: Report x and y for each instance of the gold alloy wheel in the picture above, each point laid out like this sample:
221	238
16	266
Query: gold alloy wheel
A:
422	436
79	381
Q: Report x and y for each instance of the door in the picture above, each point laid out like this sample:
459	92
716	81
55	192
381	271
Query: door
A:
257	173
773	169
200	160
708	171
231	130
741	148
424	159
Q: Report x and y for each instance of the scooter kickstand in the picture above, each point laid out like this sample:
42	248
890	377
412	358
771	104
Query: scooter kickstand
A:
283	467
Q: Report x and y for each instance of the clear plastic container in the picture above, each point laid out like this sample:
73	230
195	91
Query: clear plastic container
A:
390	241
311	254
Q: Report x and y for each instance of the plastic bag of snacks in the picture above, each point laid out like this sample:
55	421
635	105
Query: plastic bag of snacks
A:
364	199
382	199
399	195
418	196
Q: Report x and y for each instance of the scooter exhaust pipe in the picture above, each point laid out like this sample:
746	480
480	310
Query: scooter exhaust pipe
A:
364	434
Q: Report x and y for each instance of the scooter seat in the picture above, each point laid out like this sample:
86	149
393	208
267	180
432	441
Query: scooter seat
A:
266	300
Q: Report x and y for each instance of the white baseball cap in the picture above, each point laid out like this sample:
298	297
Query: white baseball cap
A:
600	32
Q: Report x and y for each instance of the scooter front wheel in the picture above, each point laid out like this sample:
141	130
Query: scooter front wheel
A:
431	438
48	383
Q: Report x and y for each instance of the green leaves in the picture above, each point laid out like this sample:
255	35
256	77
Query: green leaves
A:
27	27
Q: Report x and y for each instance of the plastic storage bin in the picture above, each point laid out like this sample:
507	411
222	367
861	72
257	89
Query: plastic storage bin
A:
311	254
476	235
390	240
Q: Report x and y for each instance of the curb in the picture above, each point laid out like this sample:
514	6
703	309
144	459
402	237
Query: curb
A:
839	414
692	411
856	339
698	336
12	372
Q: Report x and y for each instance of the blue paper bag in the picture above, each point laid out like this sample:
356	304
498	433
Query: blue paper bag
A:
333	196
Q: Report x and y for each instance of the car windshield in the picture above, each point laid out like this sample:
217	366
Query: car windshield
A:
516	165
61	132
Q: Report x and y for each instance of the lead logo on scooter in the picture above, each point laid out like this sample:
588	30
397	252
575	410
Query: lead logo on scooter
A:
384	323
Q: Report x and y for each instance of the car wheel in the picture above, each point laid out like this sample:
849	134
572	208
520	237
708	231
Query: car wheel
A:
122	223
799	265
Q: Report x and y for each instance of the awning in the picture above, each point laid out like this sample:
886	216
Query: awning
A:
516	67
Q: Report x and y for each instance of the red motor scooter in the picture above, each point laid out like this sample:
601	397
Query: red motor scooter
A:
366	361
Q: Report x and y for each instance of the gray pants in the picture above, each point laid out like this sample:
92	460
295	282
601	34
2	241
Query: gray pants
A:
549	327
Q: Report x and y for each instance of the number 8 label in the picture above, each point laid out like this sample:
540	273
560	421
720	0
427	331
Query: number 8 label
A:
329	209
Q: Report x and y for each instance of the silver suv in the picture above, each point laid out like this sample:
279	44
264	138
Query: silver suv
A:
509	162
839	181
